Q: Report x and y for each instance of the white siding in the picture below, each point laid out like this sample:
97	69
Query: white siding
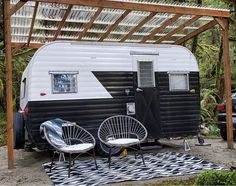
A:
85	58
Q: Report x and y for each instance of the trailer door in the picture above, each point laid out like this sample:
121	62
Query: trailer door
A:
147	102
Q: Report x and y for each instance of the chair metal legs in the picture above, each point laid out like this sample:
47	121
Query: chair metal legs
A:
109	159
141	152
69	165
138	148
94	157
52	161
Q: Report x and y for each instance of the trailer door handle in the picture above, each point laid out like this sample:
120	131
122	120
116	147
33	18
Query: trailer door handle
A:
139	90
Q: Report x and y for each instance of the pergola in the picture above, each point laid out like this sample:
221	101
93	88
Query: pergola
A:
32	23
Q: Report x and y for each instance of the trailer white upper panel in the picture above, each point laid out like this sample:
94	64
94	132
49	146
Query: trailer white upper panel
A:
84	58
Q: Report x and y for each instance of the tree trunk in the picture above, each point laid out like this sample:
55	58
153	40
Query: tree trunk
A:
219	81
195	39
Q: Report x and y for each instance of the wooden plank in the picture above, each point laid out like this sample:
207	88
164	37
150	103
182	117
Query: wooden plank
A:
17	6
162	27
25	45
90	23
227	79
135	29
176	30
196	32
222	23
32	22
145	7
113	26
9	97
62	22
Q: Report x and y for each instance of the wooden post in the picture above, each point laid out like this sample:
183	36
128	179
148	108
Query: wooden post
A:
227	79
8	54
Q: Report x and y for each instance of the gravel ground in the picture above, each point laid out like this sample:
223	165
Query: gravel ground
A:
28	170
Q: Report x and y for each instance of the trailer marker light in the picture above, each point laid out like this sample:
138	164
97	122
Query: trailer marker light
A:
42	94
26	111
220	107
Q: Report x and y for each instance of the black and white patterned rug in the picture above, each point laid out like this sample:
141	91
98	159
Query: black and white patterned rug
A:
127	168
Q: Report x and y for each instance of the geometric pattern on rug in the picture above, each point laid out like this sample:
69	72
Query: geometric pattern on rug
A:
127	169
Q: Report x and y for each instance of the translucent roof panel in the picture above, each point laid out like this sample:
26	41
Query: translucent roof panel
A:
126	21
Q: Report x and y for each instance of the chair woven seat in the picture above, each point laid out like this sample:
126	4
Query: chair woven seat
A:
123	142
83	147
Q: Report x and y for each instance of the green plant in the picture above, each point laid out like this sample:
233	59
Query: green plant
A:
216	177
213	130
208	104
3	129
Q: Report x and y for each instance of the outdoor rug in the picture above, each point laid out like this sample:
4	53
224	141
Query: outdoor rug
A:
127	168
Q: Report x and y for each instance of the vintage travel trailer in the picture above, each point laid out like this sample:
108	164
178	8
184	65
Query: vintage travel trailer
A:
88	82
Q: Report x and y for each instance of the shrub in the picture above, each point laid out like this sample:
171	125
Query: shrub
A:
214	177
3	129
214	130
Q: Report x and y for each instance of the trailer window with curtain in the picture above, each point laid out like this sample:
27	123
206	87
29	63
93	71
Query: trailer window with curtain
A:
64	82
178	81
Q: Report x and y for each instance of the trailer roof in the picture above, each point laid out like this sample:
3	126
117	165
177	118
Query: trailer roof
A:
34	23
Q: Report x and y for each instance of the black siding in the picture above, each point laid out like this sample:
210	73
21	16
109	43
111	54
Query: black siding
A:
179	110
87	113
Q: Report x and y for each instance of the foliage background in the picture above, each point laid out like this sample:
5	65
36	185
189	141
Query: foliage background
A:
207	48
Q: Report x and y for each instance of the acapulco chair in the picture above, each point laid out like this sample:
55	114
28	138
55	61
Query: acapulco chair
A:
67	137
122	131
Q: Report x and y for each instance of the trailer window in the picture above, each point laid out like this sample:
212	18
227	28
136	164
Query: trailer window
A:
64	83
145	74
178	81
23	88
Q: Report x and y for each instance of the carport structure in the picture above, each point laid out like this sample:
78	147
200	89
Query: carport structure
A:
32	23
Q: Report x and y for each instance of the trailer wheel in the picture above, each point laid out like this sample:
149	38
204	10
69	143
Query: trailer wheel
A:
103	150
18	131
223	134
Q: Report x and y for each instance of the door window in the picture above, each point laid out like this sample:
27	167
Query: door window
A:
145	74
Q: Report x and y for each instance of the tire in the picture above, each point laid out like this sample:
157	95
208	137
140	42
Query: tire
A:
223	134
19	131
103	150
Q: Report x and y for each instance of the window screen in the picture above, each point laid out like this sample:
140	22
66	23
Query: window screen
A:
145	74
178	81
64	83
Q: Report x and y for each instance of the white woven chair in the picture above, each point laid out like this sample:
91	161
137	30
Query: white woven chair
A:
67	137
122	131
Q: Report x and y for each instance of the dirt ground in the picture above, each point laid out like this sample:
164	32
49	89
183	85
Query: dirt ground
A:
28	169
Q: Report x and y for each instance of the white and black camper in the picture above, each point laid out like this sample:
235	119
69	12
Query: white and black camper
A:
88	82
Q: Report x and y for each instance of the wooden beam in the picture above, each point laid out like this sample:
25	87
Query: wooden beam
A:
135	29
89	24
25	45
222	23
62	22
32	22
113	26
196	32
9	97
176	30
145	7
162	27
227	79
17	6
